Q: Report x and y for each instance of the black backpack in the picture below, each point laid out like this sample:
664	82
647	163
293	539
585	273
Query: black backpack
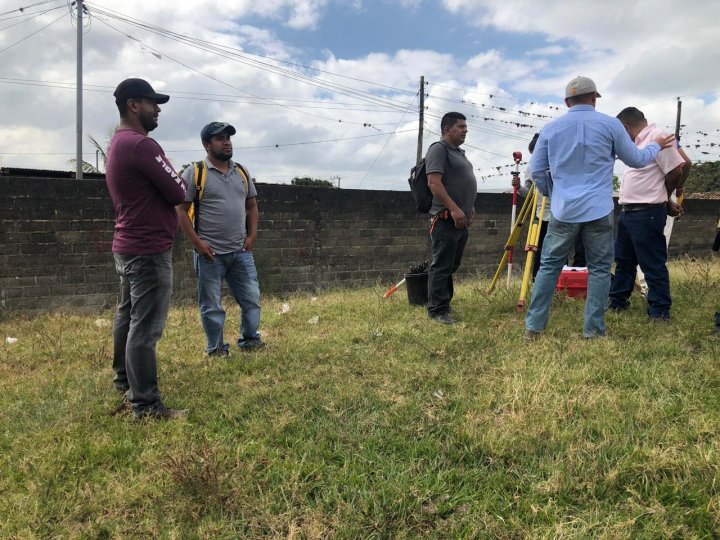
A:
419	184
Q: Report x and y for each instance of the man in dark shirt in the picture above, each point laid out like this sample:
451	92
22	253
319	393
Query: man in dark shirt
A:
452	182
145	190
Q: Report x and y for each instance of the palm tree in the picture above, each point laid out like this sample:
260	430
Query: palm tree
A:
100	151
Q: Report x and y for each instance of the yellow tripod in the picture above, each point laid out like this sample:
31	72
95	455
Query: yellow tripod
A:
527	210
531	245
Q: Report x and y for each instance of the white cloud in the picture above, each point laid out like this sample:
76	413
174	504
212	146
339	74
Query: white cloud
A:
654	44
550	50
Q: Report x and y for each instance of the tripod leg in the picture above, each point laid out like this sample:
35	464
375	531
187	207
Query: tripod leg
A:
514	236
530	248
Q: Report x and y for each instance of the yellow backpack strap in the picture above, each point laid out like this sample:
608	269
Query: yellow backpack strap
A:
200	175
245	176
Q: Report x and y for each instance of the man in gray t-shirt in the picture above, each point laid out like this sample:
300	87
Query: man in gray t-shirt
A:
452	182
223	232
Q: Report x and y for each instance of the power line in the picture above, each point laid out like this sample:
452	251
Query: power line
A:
258	147
390	134
510	127
191	95
31	35
23	8
239	56
503	110
499	131
226	83
241	52
386	143
28	16
365	124
431	130
496	96
328	106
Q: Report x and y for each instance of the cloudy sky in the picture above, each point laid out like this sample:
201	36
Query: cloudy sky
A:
329	88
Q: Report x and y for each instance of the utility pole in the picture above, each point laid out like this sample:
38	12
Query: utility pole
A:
422	119
78	107
677	120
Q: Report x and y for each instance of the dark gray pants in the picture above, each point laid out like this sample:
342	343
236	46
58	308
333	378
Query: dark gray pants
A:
145	288
448	244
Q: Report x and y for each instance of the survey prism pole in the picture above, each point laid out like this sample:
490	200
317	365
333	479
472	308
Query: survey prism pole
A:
517	157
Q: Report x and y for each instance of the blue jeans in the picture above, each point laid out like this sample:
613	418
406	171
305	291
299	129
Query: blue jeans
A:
145	288
237	268
448	245
559	242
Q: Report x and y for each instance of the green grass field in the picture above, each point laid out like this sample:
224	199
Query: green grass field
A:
374	422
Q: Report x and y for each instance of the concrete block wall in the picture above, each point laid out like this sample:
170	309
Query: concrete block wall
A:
56	235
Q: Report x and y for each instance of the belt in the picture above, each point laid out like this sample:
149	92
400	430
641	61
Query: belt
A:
640	206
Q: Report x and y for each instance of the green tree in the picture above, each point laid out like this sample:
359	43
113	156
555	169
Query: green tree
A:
101	150
182	169
703	177
311	182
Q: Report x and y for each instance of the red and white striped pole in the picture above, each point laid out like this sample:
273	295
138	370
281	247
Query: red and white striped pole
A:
517	157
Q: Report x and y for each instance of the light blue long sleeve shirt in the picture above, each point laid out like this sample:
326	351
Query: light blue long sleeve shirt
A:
574	159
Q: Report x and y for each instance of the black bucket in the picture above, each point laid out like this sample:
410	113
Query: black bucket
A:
417	288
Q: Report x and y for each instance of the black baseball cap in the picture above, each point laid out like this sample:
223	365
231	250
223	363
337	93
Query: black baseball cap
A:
137	88
215	128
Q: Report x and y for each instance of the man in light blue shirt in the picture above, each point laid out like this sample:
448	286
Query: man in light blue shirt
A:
573	164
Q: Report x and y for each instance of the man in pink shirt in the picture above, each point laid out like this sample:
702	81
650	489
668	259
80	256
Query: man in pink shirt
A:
645	205
145	190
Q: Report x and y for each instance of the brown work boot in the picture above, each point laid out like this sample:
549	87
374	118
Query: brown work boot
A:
159	412
532	335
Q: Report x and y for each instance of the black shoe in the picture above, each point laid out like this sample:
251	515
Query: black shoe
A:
532	335
251	345
159	412
444	318
218	353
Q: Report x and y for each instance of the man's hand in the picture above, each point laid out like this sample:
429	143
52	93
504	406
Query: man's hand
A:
515	182
205	250
249	242
666	142
674	209
459	218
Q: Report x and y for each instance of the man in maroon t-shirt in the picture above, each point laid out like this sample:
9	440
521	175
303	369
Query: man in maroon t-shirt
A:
145	190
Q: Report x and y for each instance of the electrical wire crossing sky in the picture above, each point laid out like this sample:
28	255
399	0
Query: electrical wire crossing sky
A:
331	89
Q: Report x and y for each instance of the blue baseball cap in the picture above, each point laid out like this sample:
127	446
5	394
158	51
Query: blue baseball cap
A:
215	128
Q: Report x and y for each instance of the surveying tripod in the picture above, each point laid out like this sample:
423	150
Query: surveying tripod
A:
527	210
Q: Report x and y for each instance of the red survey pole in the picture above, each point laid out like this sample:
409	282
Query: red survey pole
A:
517	157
